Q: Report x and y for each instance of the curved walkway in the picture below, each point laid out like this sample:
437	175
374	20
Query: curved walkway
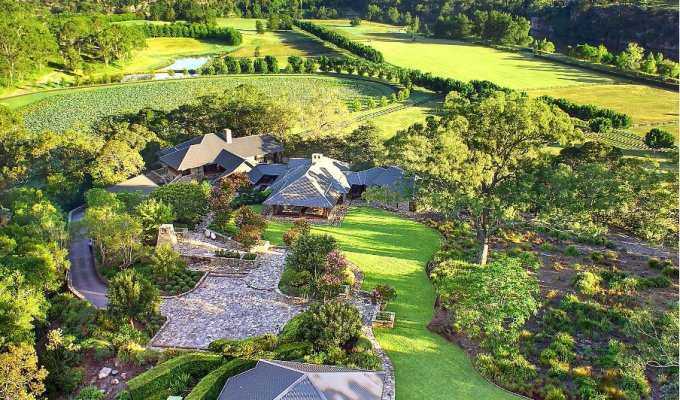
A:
84	278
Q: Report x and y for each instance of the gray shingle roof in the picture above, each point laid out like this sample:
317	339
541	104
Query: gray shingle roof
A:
263	169
211	149
308	184
392	177
285	380
139	182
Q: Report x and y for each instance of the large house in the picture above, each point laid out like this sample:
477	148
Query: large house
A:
214	155
309	188
313	187
286	380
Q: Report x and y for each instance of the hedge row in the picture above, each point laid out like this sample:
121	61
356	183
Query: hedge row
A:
337	39
195	30
589	111
211	385
158	379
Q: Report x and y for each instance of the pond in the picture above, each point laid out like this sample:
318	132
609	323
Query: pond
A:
188	62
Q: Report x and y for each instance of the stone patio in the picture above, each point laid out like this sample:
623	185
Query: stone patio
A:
232	307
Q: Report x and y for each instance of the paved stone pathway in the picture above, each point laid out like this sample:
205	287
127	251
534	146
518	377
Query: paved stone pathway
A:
231	307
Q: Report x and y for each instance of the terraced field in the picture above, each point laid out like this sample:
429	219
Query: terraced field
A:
61	109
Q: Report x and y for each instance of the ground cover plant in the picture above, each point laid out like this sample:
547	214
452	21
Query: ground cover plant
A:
61	109
591	335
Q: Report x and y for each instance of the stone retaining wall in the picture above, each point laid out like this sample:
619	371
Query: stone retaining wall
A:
220	265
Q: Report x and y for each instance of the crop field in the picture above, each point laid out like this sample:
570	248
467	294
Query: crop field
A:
401	115
60	109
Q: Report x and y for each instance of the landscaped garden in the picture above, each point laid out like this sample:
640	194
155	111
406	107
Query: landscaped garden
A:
392	250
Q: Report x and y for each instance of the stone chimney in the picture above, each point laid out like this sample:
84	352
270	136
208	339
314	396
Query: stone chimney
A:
227	136
316	157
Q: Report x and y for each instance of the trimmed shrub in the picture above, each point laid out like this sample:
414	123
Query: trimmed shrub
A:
210	386
289	332
293	351
330	325
255	347
157	380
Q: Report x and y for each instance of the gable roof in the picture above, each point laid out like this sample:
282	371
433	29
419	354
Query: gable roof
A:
307	184
212	148
286	380
392	177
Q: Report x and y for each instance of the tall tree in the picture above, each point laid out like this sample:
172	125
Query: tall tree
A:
26	44
15	142
466	162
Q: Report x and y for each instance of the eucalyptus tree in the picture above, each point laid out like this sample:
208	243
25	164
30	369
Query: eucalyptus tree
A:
467	162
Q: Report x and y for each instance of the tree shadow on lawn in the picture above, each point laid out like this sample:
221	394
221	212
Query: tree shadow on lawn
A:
528	62
307	45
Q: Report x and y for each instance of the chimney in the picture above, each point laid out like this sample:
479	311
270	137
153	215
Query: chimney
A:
316	157
227	136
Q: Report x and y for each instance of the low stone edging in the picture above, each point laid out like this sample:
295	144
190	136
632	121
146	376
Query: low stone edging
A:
200	281
221	265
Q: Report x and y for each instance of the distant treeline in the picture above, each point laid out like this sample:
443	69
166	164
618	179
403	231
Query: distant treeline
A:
328	34
194	30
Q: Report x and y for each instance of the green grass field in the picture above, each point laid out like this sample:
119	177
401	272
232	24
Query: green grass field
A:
160	52
466	61
391	250
644	104
60	109
279	44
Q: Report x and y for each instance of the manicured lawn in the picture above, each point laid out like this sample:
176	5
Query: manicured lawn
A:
645	104
392	250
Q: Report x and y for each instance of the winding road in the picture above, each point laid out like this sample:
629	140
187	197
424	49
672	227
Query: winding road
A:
84	278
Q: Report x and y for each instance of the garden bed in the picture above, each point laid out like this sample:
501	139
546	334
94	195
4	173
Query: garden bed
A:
383	319
588	295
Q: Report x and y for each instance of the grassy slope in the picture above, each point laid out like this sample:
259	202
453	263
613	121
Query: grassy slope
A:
280	44
644	104
392	250
467	61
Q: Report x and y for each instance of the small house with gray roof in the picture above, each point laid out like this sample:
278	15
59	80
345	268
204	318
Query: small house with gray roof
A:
214	155
286	380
